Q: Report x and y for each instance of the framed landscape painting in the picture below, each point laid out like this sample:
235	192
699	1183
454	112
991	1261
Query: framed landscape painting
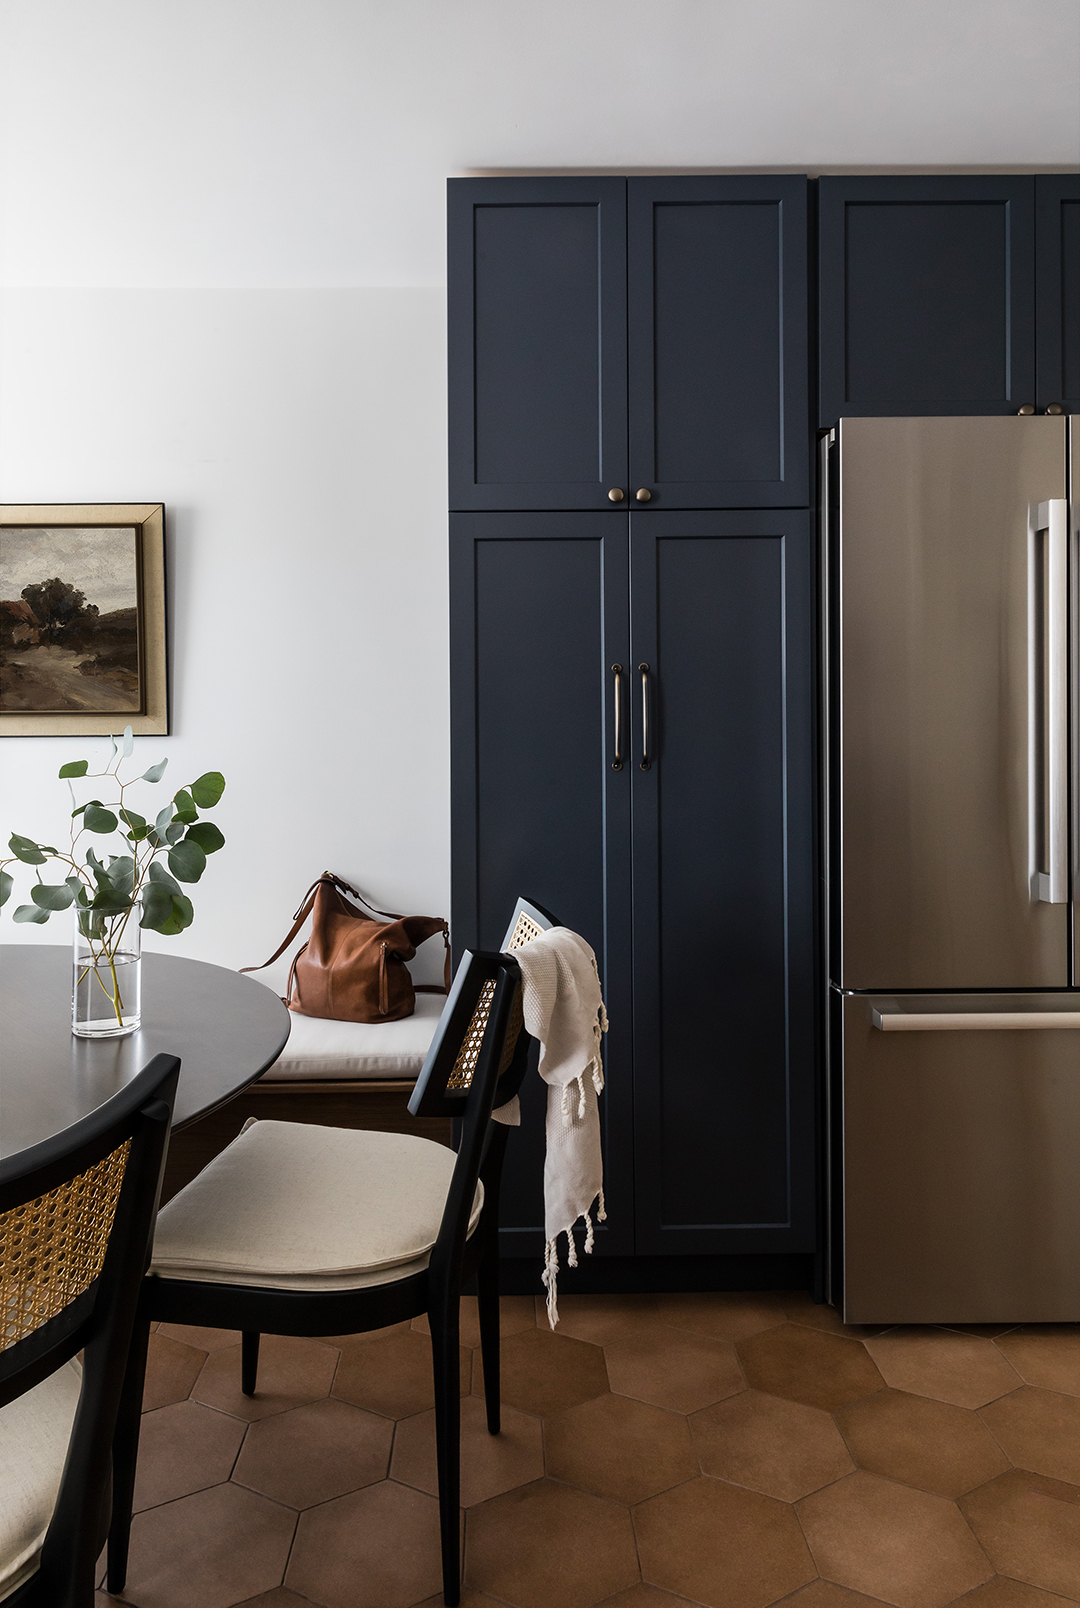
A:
82	619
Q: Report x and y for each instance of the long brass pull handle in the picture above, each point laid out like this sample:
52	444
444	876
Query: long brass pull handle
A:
616	763
974	1021
646	762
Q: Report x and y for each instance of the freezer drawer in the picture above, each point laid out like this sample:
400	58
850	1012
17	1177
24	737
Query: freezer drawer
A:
959	1135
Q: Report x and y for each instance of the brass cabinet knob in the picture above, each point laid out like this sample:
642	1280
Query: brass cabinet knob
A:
644	495
615	495
1025	410
1054	408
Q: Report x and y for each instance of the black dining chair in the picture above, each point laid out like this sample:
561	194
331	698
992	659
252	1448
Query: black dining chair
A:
76	1220
301	1230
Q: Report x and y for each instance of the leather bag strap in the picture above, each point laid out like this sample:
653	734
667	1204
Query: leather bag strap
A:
301	916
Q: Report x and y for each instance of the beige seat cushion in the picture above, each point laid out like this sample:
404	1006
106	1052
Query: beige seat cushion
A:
297	1206
318	1048
34	1434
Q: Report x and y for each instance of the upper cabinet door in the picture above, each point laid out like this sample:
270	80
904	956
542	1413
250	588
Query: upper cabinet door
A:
717	319
1057	290
927	296
537	337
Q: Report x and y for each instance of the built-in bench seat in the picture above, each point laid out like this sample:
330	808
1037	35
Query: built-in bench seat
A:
321	1051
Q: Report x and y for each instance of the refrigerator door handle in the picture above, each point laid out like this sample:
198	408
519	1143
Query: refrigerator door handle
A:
974	1021
1052	885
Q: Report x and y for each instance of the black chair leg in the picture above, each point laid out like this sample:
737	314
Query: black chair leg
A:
487	1292
445	1356
249	1363
125	1454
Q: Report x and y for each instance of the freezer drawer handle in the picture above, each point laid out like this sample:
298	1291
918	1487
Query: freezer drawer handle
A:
974	1021
1052	885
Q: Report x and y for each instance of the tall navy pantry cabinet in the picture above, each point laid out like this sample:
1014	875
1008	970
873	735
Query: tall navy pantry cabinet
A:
632	670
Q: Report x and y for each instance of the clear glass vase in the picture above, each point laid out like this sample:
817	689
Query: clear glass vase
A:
106	996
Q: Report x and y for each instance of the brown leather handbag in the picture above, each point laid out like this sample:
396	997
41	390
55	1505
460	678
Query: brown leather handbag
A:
352	968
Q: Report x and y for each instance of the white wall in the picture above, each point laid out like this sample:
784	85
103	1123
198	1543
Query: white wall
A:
222	233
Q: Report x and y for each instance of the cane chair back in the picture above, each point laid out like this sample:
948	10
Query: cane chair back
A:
465	1037
76	1217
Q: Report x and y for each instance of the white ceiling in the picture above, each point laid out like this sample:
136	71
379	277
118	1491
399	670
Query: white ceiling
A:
306	142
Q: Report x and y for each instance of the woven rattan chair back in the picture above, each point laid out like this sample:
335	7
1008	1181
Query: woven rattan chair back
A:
76	1215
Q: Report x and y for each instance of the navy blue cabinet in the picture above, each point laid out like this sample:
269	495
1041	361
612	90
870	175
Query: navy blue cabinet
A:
927	295
717	341
544	344
1057	291
539	614
723	882
678	840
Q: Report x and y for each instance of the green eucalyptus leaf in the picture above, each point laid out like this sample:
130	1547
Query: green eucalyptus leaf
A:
7	882
52	898
76	767
133	822
187	861
184	806
129	742
29	913
157	903
26	850
111	899
155	773
159	875
208	789
97	819
183	911
121	873
175	832
209	837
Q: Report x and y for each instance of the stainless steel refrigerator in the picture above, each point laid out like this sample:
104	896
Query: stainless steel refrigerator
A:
952	733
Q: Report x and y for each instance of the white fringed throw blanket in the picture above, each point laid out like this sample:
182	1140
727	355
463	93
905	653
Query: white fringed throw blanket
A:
564	1009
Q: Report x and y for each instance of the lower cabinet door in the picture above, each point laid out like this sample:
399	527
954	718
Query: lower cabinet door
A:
721	764
539	615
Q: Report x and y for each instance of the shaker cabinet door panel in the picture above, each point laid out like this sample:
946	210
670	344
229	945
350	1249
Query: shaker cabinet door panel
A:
539	614
1057	289
723	896
717	342
537	332
926	296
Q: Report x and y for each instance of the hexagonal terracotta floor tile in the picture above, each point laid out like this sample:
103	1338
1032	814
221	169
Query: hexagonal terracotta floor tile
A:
808	1365
312	1454
823	1594
673	1368
490	1464
280	1597
184	1448
172	1368
516	1312
392	1375
929	1444
1038	1430
209	1550
1030	1528
781	1448
720	1314
944	1364
619	1447
469	1599
201	1339
291	1373
547	1546
643	1596
1045	1354
601	1317
1002	1593
376	1548
889	1541
720	1546
541	1372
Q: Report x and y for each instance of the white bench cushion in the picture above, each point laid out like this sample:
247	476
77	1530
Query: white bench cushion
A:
292	1205
34	1433
318	1048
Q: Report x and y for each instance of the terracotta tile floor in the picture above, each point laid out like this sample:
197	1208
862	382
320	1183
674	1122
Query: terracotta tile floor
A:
733	1451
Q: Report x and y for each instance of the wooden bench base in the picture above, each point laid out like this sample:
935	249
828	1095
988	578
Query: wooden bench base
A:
381	1107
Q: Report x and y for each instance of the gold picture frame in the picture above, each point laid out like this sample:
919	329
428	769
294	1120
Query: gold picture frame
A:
140	699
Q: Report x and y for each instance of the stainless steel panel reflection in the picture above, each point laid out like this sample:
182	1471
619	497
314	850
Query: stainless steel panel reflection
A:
961	1189
1074	652
934	704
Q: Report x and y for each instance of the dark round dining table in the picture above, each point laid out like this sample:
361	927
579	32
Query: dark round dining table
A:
225	1028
